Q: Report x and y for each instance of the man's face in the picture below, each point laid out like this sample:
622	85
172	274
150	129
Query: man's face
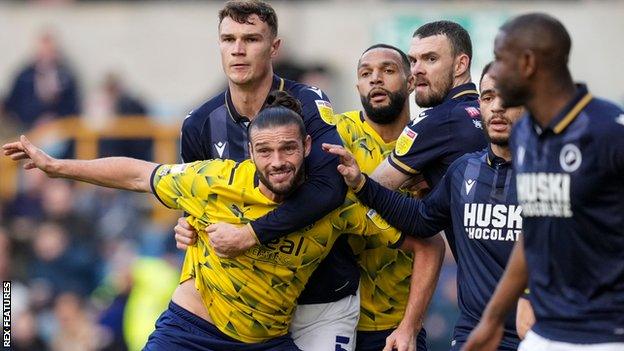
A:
246	49
278	154
383	85
506	72
497	120
432	62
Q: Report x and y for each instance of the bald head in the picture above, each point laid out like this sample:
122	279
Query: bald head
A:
542	34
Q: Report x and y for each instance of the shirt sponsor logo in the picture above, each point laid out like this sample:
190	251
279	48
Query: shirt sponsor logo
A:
492	222
570	158
405	141
544	194
220	147
279	251
473	111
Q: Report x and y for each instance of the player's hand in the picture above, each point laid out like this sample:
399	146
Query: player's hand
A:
485	337
25	150
525	318
348	167
402	339
185	235
229	240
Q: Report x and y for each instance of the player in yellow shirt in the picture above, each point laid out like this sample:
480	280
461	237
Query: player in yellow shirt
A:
243	303
384	85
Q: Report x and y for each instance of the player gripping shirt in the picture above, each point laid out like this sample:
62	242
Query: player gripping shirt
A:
251	298
476	198
439	135
570	179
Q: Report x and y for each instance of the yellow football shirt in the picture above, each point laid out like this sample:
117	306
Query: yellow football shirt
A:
251	297
385	272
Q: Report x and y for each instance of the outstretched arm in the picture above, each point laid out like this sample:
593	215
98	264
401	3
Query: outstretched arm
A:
488	333
112	172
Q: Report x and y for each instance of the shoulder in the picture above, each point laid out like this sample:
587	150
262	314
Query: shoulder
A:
349	118
303	92
465	109
460	163
606	117
197	117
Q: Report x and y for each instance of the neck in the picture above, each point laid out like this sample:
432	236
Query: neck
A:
269	194
390	132
501	151
461	80
249	98
549	99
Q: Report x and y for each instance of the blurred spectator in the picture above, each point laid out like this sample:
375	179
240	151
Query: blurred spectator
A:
25	333
76	330
45	89
114	100
58	266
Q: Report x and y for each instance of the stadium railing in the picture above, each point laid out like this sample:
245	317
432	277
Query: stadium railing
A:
164	137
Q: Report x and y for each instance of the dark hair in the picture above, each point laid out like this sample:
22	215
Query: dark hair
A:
281	109
544	34
404	59
240	10
486	68
457	35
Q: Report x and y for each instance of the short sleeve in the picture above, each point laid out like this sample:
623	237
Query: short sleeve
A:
421	142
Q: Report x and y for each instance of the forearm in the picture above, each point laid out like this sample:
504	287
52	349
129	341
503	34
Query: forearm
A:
112	172
399	210
510	287
388	176
428	257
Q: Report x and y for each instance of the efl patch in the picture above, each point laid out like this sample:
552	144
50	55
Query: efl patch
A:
473	111
178	168
325	110
405	141
164	170
376	218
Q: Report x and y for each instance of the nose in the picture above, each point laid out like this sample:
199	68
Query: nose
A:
417	68
239	48
376	77
497	105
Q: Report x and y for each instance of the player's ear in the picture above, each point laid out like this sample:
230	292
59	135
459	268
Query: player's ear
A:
527	63
251	150
462	62
307	145
411	83
275	45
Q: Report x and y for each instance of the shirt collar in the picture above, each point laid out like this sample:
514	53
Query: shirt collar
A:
494	160
461	90
278	84
569	113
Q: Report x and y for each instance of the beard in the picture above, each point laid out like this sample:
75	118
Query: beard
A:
513	95
497	140
435	97
385	114
283	189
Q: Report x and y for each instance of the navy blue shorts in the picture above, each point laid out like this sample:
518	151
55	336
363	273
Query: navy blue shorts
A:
179	329
376	340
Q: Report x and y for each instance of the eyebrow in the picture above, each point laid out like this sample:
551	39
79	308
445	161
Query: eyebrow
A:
488	91
383	64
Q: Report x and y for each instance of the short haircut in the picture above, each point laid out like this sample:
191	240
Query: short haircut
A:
486	68
240	10
404	59
457	35
542	33
281	109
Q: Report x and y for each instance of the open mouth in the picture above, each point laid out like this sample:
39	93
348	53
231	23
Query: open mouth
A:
280	176
378	95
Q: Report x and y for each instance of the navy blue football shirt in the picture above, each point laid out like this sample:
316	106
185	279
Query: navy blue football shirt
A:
439	135
570	179
476	199
217	130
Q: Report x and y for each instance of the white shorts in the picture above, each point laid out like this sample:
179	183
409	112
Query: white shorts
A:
535	342
327	326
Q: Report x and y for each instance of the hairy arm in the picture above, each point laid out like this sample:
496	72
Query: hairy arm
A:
112	172
388	176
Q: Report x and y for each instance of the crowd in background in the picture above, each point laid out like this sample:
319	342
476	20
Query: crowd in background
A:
90	270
